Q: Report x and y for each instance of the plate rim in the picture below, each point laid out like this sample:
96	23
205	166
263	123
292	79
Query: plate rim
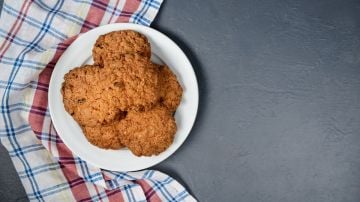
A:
121	26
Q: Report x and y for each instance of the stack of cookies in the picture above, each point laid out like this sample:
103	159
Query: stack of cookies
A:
123	99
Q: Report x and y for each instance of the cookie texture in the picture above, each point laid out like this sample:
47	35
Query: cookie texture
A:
138	78
94	95
83	93
148	133
104	136
111	46
170	89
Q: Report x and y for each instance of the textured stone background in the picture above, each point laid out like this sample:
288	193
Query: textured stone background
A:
279	116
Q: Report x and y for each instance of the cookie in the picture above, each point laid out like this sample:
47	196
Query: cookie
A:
103	136
170	89
138	78
114	44
94	95
83	98
148	133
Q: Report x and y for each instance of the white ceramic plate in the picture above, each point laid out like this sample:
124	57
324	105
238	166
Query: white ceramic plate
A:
79	53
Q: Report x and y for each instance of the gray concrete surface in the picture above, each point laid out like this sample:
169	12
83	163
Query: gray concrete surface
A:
279	116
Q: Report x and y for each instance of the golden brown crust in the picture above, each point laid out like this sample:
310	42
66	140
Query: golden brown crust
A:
148	133
139	79
114	44
82	92
170	89
95	95
104	136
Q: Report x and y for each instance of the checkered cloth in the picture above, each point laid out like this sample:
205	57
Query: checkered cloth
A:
33	35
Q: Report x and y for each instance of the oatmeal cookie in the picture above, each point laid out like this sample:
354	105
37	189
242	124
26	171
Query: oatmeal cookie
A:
138	78
114	44
104	136
170	89
94	95
83	99
148	133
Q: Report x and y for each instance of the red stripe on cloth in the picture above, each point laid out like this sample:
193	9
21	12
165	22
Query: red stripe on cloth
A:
109	194
77	184
36	120
150	193
95	15
129	7
114	195
13	26
20	18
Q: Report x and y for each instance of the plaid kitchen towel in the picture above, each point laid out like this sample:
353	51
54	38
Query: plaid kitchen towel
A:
33	35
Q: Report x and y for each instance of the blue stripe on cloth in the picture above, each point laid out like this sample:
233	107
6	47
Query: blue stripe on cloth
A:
25	61
5	100
49	190
181	196
18	88
163	188
47	114
99	5
139	17
103	194
89	178
35	23
132	193
97	197
28	66
126	189
108	8
48	194
30	150
24	105
53	189
16	130
145	174
26	108
151	173
122	175
156	3
84	170
6	134
21	86
159	185
47	168
26	149
67	16
21	42
48	137
40	169
94	177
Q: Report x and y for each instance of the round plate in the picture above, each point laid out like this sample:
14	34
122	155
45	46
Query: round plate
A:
79	53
